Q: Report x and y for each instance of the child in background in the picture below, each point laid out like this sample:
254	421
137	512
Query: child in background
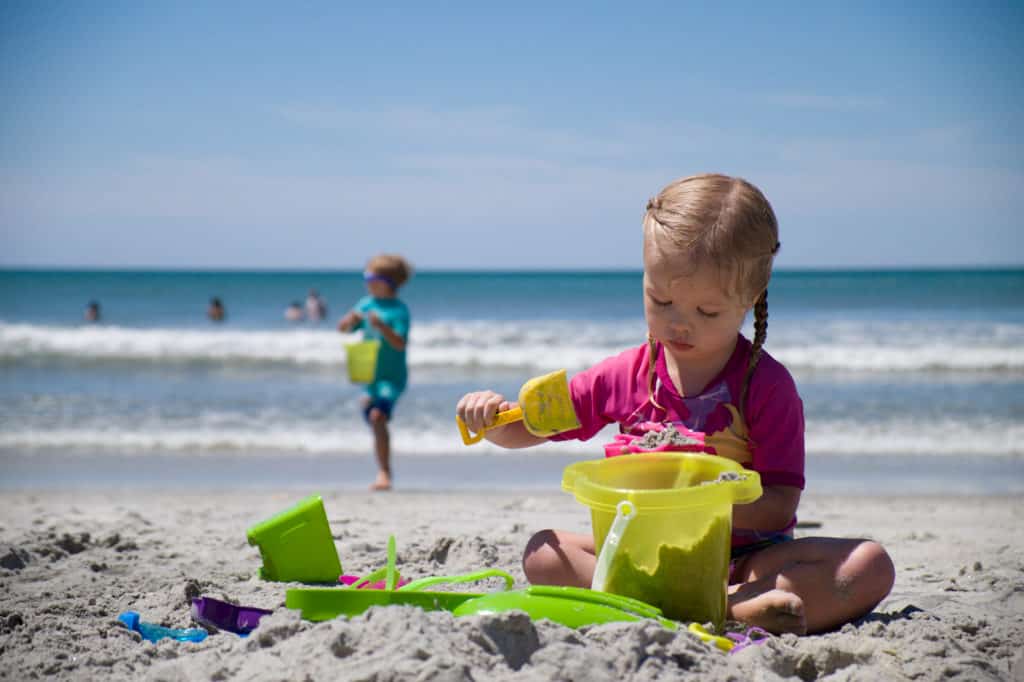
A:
708	246
316	307
382	316
215	311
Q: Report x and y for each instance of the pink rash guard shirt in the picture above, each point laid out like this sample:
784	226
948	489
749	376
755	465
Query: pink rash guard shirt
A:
769	441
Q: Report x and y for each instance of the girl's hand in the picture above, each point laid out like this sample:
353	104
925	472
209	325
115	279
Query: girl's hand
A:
478	409
375	320
351	319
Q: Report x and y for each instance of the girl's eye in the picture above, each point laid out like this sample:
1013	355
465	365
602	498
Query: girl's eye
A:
660	304
706	313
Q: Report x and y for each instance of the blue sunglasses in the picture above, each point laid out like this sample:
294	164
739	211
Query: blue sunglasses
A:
373	277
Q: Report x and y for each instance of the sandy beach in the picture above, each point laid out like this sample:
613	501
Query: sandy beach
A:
71	561
255	254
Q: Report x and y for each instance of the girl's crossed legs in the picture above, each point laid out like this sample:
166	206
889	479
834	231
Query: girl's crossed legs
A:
807	585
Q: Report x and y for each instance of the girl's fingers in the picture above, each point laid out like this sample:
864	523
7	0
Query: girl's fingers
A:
478	409
482	414
491	407
465	410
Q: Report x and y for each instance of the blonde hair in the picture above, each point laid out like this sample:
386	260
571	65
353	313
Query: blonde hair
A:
726	222
392	266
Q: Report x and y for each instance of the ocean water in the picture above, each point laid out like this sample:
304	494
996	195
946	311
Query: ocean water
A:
920	368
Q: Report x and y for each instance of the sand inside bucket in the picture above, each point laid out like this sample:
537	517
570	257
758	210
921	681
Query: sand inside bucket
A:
688	582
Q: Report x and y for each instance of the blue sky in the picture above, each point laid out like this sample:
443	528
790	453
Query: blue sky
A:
511	136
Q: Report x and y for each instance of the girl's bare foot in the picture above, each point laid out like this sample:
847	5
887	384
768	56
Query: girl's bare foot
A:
777	611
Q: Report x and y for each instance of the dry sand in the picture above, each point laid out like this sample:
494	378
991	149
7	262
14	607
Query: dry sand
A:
72	561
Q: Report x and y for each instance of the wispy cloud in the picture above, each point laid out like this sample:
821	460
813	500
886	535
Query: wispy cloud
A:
823	102
482	130
541	183
443	190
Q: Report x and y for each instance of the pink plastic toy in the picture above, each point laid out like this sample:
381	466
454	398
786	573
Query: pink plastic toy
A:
658	438
377	585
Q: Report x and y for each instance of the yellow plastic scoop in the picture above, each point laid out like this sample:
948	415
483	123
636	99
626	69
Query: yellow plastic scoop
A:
545	409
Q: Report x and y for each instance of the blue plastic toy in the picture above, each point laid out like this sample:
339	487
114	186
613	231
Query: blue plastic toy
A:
154	633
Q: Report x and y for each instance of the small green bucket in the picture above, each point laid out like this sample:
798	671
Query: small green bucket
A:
296	544
361	358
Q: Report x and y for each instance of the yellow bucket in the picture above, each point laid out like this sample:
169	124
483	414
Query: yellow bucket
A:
361	358
673	549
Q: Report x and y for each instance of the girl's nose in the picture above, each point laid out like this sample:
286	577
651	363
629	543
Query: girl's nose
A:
679	325
679	333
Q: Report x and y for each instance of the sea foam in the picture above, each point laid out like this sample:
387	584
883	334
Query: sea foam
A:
941	437
475	347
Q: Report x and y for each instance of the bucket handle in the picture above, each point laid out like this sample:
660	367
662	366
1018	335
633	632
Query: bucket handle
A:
624	513
464	578
389	573
392	577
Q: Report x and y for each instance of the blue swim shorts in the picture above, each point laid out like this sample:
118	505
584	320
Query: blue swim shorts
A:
383	395
384	406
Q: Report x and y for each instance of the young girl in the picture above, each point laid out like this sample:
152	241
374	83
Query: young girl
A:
382	316
708	246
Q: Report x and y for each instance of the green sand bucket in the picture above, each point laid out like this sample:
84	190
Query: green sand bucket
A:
669	543
296	544
361	358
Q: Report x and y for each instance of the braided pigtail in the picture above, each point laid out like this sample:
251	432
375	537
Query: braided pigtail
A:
652	362
760	334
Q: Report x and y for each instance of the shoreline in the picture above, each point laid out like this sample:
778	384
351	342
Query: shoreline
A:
893	475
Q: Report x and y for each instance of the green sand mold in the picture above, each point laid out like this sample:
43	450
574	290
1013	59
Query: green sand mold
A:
296	544
688	583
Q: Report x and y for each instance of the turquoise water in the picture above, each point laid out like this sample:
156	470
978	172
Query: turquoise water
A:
918	364
256	300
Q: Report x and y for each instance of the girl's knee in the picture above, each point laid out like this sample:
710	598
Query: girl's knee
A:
555	557
877	565
540	556
866	575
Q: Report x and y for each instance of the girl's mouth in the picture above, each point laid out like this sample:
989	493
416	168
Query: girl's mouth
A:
681	346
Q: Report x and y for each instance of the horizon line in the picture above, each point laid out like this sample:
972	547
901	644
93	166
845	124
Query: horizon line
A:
141	269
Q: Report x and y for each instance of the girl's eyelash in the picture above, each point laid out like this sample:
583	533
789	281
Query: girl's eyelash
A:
664	304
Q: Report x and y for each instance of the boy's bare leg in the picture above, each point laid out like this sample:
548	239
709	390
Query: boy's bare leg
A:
382	447
811	584
556	557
